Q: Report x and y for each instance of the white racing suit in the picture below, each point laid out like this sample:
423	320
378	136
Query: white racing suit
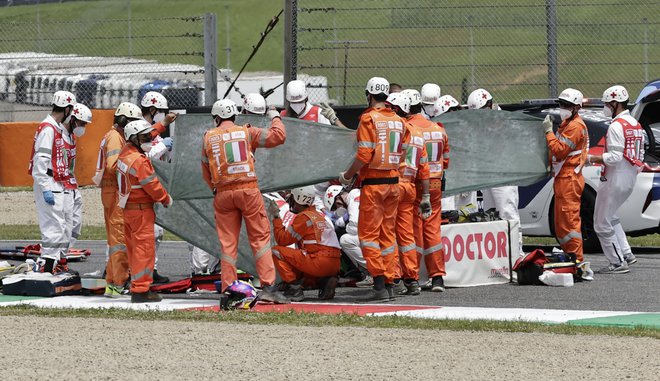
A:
201	262
349	242
621	175
505	200
158	152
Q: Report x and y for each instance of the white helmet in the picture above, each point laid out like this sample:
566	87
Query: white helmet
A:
296	91
446	102
304	195
415	97
254	103
430	93
615	93
63	99
137	127
478	99
129	110
155	99
82	113
330	195
378	85
571	96
401	100
224	108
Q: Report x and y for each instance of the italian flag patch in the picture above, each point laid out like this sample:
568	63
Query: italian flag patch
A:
236	151
395	141
433	150
413	156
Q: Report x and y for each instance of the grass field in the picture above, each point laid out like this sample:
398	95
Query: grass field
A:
501	44
347	320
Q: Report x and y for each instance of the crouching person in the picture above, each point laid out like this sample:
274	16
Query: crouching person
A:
317	254
139	189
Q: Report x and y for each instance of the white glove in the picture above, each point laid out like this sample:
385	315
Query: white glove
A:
547	124
328	112
425	206
273	210
272	114
343	180
169	203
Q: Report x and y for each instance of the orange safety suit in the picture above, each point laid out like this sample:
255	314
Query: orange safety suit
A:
317	254
139	189
228	169
116	270
414	167
427	231
568	151
380	136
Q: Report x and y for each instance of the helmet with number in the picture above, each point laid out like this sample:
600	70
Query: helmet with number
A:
446	102
415	97
224	108
82	113
304	195
129	110
254	103
330	195
155	99
239	295
478	99
430	93
401	100
615	93
571	96
378	85
63	99
296	91
137	127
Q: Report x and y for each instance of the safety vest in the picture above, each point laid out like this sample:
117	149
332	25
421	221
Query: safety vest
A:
103	155
434	139
324	230
70	148
229	154
389	145
124	169
634	138
59	157
312	115
409	167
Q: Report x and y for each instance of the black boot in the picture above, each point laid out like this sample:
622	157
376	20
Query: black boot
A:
379	292
159	278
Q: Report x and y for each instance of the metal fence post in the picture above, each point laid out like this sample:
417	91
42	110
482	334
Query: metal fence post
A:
210	59
551	27
290	41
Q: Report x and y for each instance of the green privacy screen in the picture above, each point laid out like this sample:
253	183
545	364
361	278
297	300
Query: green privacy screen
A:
488	148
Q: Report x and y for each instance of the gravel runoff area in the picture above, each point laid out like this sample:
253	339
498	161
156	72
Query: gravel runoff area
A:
18	208
103	349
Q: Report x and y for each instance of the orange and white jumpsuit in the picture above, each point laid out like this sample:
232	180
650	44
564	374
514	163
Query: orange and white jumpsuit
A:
139	189
380	136
568	151
414	168
228	169
427	231
317	254
116	270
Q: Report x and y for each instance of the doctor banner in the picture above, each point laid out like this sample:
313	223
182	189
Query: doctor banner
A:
477	254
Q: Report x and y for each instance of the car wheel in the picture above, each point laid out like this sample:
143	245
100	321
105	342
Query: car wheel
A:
590	243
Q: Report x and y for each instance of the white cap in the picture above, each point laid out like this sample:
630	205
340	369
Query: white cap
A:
224	108
478	99
446	102
571	96
137	127
296	91
129	110
378	85
430	93
155	99
615	93
82	113
415	97
304	195
401	100
63	99
254	103
330	195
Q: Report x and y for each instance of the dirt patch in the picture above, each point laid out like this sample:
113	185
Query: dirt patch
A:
18	208
102	349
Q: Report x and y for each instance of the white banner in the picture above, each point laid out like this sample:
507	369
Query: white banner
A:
477	254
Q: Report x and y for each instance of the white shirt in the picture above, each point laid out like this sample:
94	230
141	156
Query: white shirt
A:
616	141
353	207
308	107
41	162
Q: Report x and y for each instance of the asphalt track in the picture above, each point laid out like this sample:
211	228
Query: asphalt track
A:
635	291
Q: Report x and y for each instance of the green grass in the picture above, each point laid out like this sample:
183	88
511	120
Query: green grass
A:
642	241
89	35
342	320
89	232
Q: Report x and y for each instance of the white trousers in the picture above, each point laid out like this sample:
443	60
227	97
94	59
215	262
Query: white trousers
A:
505	200
201	262
55	222
76	223
158	233
611	195
350	244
